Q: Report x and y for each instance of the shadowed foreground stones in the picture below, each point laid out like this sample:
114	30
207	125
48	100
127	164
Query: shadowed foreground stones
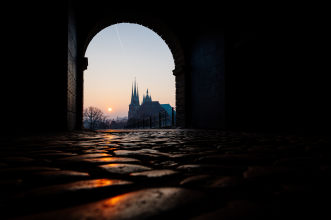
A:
111	160
61	173
74	187
142	152
84	156
165	174
237	210
155	173
27	169
153	203
119	168
18	159
207	181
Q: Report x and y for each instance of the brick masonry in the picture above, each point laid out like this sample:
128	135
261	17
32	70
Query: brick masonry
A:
72	73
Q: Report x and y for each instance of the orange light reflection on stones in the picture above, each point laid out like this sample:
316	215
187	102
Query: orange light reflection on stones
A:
114	201
110	137
106	159
90	184
103	182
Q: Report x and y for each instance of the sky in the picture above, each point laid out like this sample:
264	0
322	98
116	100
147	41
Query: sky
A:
116	56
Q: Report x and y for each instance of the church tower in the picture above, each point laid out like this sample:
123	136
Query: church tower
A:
134	105
147	98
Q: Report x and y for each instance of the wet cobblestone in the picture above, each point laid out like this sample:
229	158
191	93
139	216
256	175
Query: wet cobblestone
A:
162	174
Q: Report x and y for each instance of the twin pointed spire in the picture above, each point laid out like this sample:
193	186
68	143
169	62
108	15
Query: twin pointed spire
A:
135	93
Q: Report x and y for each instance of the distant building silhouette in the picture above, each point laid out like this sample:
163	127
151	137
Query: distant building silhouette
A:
134	105
119	123
148	110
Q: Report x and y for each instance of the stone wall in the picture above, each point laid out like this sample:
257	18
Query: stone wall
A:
180	97
72	72
207	81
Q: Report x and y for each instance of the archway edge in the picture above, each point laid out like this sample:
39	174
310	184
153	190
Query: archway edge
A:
151	23
167	34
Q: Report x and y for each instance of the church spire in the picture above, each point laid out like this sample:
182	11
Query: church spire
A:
137	95
135	88
132	94
147	97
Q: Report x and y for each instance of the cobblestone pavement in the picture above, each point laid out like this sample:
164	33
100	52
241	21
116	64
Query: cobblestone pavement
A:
163	174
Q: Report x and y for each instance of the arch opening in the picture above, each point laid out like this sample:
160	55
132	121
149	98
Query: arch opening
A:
125	53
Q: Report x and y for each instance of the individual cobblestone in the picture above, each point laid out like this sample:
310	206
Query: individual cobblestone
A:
124	168
111	160
154	173
142	204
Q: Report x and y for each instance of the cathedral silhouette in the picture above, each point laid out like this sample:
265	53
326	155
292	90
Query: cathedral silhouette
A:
156	114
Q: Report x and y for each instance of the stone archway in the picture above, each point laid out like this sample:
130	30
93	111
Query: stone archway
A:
164	32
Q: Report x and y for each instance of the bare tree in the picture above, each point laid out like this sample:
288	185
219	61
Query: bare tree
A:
93	116
105	123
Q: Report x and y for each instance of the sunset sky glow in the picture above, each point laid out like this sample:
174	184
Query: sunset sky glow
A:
117	55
